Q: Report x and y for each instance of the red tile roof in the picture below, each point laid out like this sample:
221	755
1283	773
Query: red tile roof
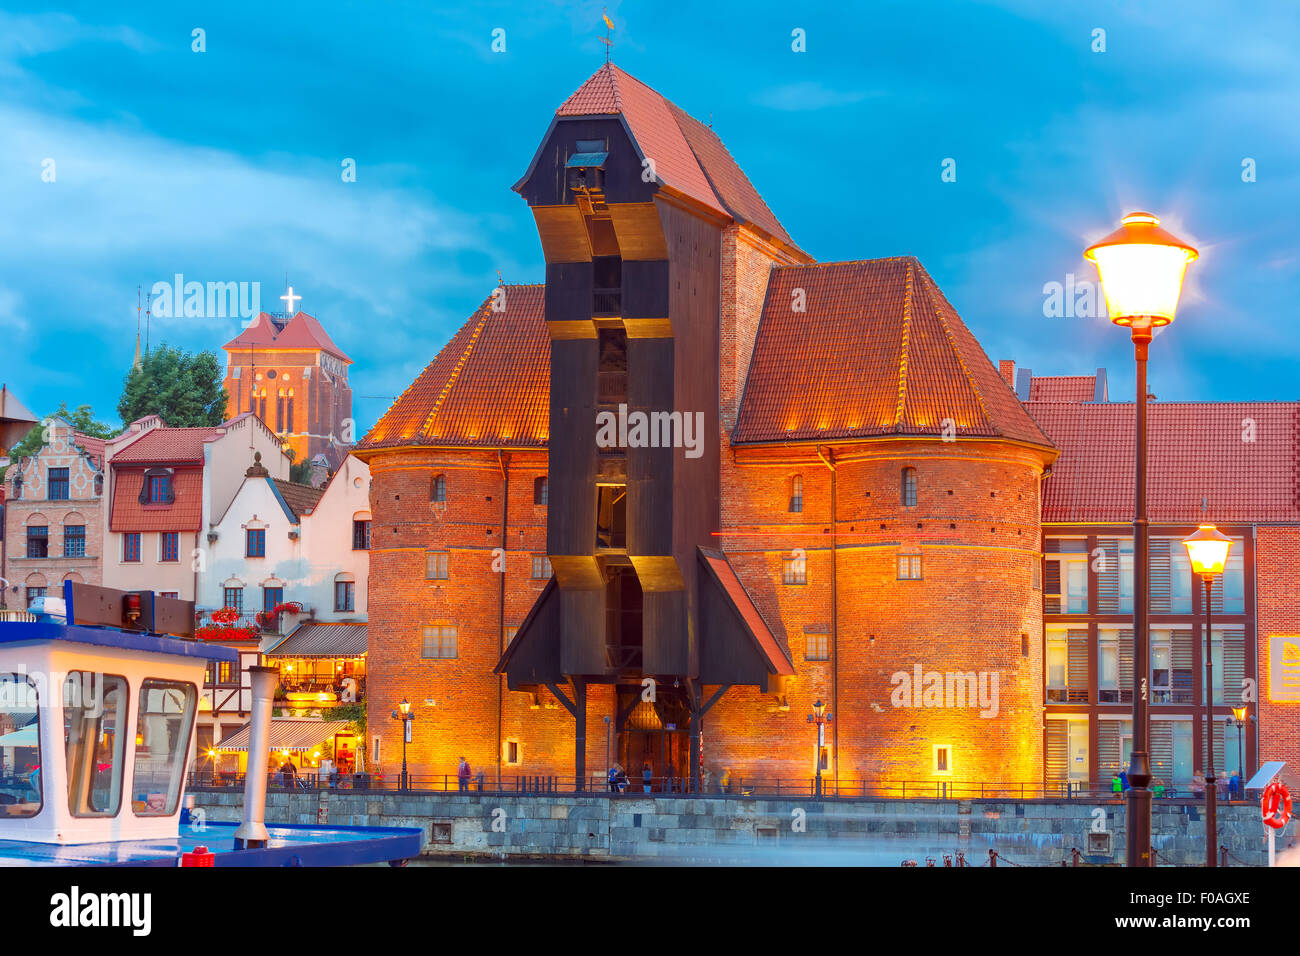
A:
1200	468
773	651
300	499
94	447
489	386
184	514
300	332
164	446
688	156
878	351
1062	388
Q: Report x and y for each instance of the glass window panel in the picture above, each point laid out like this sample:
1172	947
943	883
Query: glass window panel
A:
1076	587
20	747
94	715
162	741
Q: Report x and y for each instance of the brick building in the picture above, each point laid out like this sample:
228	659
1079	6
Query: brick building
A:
661	505
288	371
54	525
1230	463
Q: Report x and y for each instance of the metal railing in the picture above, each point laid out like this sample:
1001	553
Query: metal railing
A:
600	785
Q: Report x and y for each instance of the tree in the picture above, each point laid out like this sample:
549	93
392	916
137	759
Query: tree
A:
83	420
183	388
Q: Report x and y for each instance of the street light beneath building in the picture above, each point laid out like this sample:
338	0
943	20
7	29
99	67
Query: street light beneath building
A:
1208	547
820	718
403	713
1141	267
1239	718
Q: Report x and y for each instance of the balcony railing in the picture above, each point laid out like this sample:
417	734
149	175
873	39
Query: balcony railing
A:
606	302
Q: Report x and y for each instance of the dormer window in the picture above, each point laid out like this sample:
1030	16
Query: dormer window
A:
157	488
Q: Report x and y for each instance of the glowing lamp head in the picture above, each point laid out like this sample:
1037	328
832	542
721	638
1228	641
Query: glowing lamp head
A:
1141	268
405	706
1208	548
1239	714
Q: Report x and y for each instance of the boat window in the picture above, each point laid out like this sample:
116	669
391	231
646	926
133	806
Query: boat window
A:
94	715
162	741
20	748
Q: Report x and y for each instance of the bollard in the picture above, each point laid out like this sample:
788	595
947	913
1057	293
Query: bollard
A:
200	857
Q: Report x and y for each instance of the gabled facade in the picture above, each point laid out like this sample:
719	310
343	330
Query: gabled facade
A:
163	487
288	371
54	525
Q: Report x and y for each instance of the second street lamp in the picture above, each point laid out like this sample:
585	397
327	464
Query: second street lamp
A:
1239	718
1207	547
1141	268
820	718
405	716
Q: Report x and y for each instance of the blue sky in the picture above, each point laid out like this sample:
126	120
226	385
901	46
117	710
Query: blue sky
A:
225	165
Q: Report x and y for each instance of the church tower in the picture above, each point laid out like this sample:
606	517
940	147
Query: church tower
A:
286	370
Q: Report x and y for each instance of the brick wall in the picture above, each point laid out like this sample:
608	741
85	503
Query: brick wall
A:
976	527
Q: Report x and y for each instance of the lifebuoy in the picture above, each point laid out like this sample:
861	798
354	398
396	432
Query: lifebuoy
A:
1276	805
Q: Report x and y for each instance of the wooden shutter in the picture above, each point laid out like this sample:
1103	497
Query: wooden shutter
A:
1160	576
1126	666
1182	666
1108	750
1108	577
1058	756
1077	667
1234	665
1052	587
1162	751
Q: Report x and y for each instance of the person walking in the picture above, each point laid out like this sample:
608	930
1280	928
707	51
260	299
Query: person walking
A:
647	776
462	775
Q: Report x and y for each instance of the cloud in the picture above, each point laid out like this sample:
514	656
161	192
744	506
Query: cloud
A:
809	95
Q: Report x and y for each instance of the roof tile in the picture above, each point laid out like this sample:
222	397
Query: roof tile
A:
489	386
1222	462
878	350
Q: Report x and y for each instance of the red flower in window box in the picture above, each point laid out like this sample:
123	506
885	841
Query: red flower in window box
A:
289	607
220	632
227	615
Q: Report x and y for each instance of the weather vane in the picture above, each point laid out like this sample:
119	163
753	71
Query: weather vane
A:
609	27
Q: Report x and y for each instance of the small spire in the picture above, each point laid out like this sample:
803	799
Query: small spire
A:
257	470
606	39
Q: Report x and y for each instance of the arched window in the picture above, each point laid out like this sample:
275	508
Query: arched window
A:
541	490
907	491
796	493
99	484
438	488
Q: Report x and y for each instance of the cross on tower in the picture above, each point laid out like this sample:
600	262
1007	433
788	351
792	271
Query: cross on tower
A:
290	298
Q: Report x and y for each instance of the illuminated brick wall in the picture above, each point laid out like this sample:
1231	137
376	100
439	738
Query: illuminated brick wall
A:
968	612
1278	590
462	720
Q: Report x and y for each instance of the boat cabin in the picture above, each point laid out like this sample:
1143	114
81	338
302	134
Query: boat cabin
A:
97	718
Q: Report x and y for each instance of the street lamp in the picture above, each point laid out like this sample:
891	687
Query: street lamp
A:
1208	547
1141	267
403	713
820	718
1239	718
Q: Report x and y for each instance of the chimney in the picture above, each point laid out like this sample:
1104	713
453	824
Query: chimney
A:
252	831
1023	379
1008	369
1100	393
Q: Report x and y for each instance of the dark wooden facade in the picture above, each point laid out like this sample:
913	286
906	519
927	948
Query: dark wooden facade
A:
633	299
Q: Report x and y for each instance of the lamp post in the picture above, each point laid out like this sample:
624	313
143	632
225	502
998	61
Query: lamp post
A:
1141	267
403	713
820	718
1239	718
1207	547
607	765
